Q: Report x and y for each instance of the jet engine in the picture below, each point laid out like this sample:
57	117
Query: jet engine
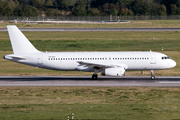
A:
118	71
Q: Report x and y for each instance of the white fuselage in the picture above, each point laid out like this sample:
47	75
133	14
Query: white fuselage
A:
69	61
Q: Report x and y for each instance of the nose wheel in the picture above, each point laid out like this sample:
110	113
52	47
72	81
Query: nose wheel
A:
152	75
94	76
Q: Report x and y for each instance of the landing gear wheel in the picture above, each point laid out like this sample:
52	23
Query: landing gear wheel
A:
152	77
94	76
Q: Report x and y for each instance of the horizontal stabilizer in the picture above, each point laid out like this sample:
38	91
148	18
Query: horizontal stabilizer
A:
14	57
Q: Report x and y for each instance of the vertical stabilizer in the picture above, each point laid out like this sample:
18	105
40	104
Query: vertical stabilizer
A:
19	42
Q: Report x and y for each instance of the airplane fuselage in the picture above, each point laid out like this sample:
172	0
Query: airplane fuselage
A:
69	61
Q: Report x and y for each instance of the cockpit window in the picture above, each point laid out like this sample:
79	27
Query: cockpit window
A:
165	58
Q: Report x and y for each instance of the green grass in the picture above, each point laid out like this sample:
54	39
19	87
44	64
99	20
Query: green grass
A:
89	103
132	24
92	41
99	41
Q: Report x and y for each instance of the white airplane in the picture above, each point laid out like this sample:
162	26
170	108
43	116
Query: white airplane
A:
108	63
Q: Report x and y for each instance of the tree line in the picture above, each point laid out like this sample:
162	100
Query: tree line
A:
88	7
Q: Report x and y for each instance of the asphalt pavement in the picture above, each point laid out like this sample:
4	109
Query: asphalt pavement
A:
103	81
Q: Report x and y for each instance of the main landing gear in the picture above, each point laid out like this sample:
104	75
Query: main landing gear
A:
94	76
152	75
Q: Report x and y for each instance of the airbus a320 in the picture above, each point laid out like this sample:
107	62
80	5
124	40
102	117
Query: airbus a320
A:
108	63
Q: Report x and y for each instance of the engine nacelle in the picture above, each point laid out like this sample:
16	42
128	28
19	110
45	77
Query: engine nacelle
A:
118	71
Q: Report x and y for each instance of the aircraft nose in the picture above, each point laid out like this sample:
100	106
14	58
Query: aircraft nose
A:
173	63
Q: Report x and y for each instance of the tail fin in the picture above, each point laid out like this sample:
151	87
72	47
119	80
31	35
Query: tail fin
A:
19	42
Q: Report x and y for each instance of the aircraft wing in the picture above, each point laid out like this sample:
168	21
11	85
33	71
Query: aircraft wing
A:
102	65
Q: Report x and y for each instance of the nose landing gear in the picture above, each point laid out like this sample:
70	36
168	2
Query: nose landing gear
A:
152	75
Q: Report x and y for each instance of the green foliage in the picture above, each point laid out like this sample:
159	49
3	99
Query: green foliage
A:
93	12
79	9
63	4
90	7
34	3
125	3
114	12
162	10
53	12
16	2
48	3
26	11
175	10
5	8
141	7
126	12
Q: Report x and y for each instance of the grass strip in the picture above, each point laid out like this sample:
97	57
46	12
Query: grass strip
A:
89	103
